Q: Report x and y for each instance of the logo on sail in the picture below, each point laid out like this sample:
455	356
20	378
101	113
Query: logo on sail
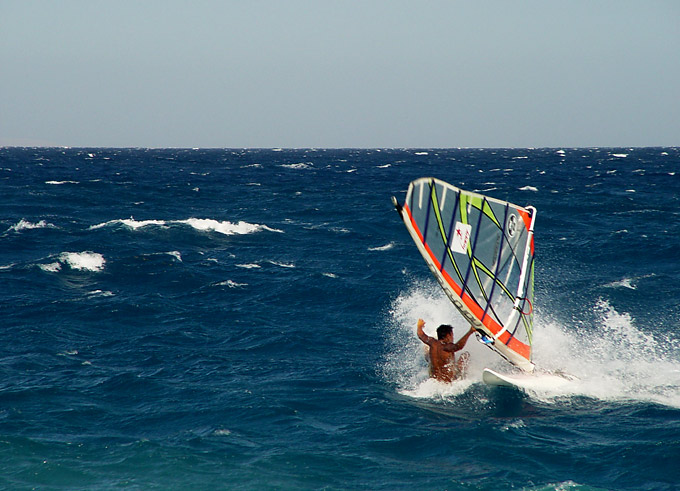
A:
461	238
512	225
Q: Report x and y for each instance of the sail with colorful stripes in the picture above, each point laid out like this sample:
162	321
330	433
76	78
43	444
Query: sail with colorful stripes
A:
481	250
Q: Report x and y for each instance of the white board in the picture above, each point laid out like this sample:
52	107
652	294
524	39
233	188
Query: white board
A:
533	381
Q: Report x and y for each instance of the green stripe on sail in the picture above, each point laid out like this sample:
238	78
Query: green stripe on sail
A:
442	230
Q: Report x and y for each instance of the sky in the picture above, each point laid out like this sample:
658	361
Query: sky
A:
340	73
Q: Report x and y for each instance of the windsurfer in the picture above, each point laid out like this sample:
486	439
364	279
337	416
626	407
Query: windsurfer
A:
443	364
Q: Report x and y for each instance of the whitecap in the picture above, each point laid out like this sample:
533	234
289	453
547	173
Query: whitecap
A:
176	255
202	224
88	261
100	293
130	223
249	266
231	284
620	155
58	183
226	227
68	353
624	283
298	166
422	153
528	188
385	247
51	267
26	225
330	275
282	265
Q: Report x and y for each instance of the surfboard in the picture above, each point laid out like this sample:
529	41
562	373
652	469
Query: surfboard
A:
528	381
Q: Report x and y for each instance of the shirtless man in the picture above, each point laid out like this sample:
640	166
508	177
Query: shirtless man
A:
443	365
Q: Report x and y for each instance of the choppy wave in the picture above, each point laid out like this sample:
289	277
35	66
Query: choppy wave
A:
385	247
23	224
79	261
202	224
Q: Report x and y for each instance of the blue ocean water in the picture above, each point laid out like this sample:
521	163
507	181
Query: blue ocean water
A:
245	319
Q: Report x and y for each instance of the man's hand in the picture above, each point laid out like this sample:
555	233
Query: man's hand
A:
421	323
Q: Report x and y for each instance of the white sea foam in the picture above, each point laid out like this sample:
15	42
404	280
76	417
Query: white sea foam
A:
620	155
201	224
72	352
614	360
330	275
88	261
26	225
624	283
130	223
528	188
58	183
176	255
249	266
282	265
51	267
298	166
405	363
100	293
226	227
231	284
385	247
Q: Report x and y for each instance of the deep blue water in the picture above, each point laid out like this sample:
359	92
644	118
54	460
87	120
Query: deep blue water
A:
245	319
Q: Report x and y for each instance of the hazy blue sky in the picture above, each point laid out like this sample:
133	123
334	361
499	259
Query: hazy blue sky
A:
294	73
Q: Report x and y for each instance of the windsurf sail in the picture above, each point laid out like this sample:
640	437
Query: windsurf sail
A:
481	251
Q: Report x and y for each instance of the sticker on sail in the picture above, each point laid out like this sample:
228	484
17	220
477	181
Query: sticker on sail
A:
512	225
461	238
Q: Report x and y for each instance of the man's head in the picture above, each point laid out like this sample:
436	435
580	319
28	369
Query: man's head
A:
443	331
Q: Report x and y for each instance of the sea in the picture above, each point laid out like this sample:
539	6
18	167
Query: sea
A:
245	319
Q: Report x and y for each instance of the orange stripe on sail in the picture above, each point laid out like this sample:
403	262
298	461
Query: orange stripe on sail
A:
494	327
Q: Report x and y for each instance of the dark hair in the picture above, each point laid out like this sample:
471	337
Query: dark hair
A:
443	331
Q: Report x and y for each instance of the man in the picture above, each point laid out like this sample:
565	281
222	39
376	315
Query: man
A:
443	365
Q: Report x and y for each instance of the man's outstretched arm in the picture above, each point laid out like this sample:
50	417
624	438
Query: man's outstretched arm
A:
421	334
461	342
